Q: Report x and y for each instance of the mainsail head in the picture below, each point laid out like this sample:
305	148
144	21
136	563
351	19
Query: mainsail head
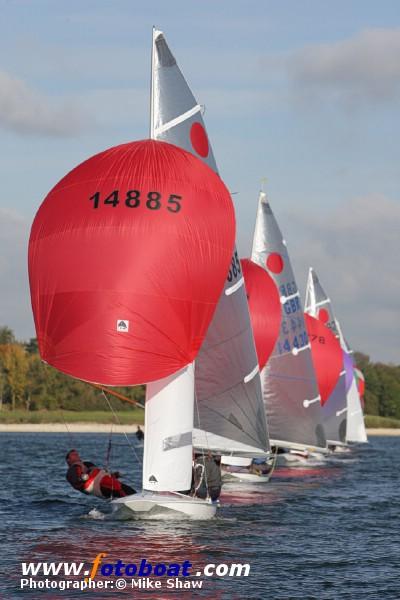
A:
290	390
227	380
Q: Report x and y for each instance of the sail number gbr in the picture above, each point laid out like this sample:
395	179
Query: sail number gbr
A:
135	198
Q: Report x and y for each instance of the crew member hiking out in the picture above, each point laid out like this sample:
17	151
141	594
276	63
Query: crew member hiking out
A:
85	477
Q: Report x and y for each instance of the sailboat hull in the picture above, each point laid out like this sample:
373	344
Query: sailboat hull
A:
229	476
160	506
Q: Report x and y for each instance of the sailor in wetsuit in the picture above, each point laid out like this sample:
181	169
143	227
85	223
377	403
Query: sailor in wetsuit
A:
85	477
139	434
207	476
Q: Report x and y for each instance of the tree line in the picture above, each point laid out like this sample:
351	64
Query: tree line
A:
382	387
27	383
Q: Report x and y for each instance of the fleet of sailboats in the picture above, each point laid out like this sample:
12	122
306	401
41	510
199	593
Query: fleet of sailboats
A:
222	344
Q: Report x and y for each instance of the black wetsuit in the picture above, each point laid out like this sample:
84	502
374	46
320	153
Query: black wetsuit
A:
207	474
140	435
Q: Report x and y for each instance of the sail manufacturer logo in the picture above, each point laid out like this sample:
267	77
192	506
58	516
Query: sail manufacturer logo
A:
122	325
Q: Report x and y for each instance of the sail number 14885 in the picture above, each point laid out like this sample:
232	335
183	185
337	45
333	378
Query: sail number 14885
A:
135	198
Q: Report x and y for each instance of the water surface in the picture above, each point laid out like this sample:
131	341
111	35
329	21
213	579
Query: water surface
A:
327	533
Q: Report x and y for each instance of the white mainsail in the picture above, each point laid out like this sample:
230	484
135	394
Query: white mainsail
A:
355	429
227	379
290	390
167	454
334	410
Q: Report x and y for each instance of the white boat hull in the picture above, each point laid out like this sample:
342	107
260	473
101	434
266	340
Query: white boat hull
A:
228	476
148	505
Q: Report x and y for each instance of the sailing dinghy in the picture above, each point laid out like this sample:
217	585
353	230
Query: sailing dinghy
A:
229	417
128	256
334	409
291	395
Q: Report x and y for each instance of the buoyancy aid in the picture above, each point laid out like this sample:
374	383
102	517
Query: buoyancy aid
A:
92	483
97	479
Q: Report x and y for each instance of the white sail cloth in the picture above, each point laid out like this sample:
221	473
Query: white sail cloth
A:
167	456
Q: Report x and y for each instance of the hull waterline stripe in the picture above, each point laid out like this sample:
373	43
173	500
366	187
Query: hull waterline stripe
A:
183	117
251	375
234	288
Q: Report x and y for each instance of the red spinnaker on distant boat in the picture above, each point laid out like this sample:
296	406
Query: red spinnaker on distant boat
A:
360	384
326	354
128	255
265	308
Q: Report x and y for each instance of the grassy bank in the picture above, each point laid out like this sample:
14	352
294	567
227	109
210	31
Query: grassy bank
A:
373	421
125	417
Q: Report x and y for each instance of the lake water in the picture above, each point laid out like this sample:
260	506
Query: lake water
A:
324	533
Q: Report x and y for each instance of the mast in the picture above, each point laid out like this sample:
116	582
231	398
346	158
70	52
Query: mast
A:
151	131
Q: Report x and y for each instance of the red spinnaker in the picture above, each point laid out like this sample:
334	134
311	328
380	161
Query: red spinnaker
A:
127	259
326	354
265	308
360	384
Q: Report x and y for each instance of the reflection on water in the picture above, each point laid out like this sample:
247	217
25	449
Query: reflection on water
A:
333	528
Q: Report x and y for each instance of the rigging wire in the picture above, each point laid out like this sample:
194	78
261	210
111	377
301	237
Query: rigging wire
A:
70	436
132	447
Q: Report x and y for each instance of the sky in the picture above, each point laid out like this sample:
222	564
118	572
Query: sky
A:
305	94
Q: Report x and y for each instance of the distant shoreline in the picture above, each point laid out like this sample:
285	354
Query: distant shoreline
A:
65	427
105	428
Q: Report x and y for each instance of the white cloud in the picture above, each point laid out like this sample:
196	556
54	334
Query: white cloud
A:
354	250
361	70
25	111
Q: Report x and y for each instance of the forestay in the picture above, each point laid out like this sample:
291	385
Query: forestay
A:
227	380
290	390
